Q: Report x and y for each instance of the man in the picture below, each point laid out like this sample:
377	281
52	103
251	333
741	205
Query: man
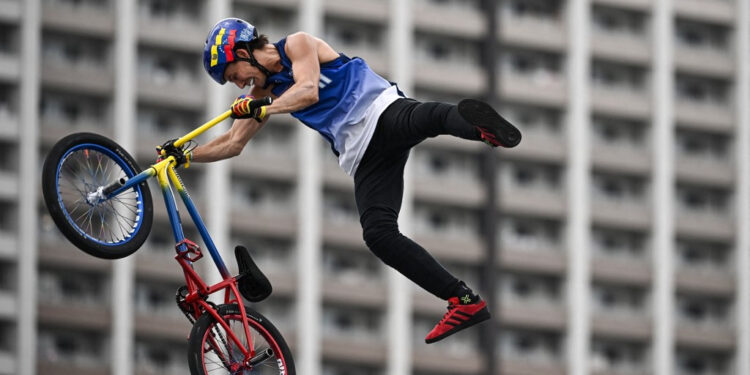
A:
371	127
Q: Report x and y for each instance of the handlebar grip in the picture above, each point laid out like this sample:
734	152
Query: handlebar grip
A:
261	102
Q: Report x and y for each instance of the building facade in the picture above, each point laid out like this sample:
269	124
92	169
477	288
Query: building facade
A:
611	241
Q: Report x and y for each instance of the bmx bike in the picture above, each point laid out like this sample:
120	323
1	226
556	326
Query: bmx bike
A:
99	199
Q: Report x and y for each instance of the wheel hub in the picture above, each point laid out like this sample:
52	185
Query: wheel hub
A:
95	197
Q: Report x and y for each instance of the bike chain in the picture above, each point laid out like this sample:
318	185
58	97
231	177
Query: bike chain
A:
184	307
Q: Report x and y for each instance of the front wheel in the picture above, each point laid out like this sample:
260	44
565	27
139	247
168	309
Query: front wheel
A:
211	351
74	174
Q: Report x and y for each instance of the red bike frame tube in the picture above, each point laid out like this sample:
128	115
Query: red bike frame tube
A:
198	289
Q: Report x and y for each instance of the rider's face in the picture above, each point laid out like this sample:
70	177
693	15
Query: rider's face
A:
242	73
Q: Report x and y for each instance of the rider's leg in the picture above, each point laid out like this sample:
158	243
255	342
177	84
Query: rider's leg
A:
378	189
408	122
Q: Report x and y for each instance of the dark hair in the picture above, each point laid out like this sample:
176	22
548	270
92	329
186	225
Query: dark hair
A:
256	43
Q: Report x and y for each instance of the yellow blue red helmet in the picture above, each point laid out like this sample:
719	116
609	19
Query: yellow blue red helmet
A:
221	42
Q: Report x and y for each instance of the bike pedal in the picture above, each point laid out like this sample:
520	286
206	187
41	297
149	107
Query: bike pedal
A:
251	282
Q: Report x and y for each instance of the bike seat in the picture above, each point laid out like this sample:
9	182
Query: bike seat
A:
251	282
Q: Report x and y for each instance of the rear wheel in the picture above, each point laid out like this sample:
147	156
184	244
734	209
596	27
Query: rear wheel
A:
75	171
211	351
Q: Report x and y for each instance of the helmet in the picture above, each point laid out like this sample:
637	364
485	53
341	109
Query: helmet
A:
221	42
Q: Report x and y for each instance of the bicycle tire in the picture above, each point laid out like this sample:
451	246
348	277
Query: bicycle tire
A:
264	334
75	166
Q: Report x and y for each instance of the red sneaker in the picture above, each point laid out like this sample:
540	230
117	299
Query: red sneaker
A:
457	318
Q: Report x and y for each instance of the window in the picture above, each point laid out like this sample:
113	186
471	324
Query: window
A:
161	357
617	299
703	254
531	289
617	356
532	63
275	141
531	175
455	4
356	324
702	144
160	67
8	39
619	132
348	369
449	165
618	76
340	207
60	286
60	108
7	277
344	34
275	22
8	157
445	50
263	195
703	310
445	222
619	188
165	122
528	233
702	90
618	243
8	217
701	35
694	362
618	21
545	9
540	347
7	337
84	3
7	100
703	199
156	298
75	51
351	266
166	10
80	348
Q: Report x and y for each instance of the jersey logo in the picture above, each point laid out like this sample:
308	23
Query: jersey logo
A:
324	81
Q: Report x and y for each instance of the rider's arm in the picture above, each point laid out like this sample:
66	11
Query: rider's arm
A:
232	142
302	50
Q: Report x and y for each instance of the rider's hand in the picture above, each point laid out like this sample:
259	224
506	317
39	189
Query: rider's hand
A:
241	109
181	156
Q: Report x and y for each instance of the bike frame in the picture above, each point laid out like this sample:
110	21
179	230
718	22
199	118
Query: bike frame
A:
187	252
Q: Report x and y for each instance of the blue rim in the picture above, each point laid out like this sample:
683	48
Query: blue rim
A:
128	171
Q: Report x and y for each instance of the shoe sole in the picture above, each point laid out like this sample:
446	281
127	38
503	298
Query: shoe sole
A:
481	115
477	318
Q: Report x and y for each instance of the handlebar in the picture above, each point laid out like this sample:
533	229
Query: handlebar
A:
257	103
211	123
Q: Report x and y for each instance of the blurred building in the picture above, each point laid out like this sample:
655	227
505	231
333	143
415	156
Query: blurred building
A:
620	244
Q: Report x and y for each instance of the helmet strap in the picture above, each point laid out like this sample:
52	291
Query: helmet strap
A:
256	64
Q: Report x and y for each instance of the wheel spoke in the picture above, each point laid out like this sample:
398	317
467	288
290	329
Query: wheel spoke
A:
112	221
225	357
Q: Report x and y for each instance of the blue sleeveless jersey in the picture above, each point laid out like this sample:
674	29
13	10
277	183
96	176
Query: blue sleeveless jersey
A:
347	88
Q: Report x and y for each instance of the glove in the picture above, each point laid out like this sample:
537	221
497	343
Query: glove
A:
180	156
241	109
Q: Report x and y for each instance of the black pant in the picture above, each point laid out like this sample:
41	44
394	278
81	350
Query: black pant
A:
379	187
